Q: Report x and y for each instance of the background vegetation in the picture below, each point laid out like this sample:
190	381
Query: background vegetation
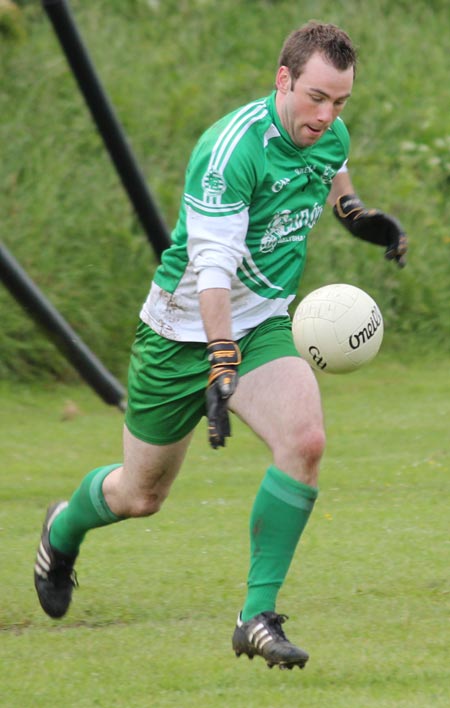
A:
170	69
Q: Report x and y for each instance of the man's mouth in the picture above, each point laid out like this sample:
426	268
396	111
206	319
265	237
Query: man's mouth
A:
314	130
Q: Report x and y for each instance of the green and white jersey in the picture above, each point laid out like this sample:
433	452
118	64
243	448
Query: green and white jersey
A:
251	197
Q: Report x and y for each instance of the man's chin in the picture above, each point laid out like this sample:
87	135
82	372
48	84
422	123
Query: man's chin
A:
307	137
305	142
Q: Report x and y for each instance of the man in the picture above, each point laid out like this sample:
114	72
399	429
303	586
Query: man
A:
256	183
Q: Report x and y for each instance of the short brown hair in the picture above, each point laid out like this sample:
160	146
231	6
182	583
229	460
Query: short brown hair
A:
329	40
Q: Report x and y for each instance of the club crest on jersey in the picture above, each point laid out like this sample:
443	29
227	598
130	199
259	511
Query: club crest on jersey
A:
214	186
285	225
328	174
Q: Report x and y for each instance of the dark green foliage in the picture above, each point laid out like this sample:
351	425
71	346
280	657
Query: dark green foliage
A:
12	25
170	69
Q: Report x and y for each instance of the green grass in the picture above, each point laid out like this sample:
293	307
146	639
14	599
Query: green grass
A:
150	625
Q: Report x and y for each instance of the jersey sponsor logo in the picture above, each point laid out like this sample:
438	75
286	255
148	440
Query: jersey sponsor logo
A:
214	186
285	225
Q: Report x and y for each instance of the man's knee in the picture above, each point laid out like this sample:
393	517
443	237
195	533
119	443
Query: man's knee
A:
304	441
300	451
311	444
132	500
144	504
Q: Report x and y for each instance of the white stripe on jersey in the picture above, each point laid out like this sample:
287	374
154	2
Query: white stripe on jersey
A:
213	208
233	132
252	271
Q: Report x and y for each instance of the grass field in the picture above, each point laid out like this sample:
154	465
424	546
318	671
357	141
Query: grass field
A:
150	625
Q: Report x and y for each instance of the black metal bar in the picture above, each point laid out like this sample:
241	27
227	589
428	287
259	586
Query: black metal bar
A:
107	123
68	342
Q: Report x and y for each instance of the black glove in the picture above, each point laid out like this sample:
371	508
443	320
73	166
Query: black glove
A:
224	357
374	226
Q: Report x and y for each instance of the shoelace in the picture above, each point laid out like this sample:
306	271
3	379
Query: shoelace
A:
63	574
276	622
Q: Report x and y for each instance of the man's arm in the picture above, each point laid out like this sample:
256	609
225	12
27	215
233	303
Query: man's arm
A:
342	185
369	225
215	310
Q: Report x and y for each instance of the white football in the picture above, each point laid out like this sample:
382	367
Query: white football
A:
337	328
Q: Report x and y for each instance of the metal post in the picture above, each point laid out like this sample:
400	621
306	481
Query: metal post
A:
107	123
68	342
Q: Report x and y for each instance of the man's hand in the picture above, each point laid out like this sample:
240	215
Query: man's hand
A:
374	226
224	357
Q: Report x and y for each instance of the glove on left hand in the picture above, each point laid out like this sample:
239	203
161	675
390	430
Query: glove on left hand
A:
373	226
224	357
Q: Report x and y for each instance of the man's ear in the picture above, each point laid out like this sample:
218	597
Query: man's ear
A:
283	80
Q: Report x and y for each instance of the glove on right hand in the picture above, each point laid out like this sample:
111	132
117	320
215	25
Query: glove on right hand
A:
224	357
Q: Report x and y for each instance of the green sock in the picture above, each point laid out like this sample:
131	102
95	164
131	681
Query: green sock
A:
280	513
87	509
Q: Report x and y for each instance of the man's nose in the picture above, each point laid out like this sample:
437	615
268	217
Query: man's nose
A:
325	113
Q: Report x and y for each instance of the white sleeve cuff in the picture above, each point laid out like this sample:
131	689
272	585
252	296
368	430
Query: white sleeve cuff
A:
213	277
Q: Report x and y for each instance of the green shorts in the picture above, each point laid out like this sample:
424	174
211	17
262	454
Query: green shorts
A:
167	379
